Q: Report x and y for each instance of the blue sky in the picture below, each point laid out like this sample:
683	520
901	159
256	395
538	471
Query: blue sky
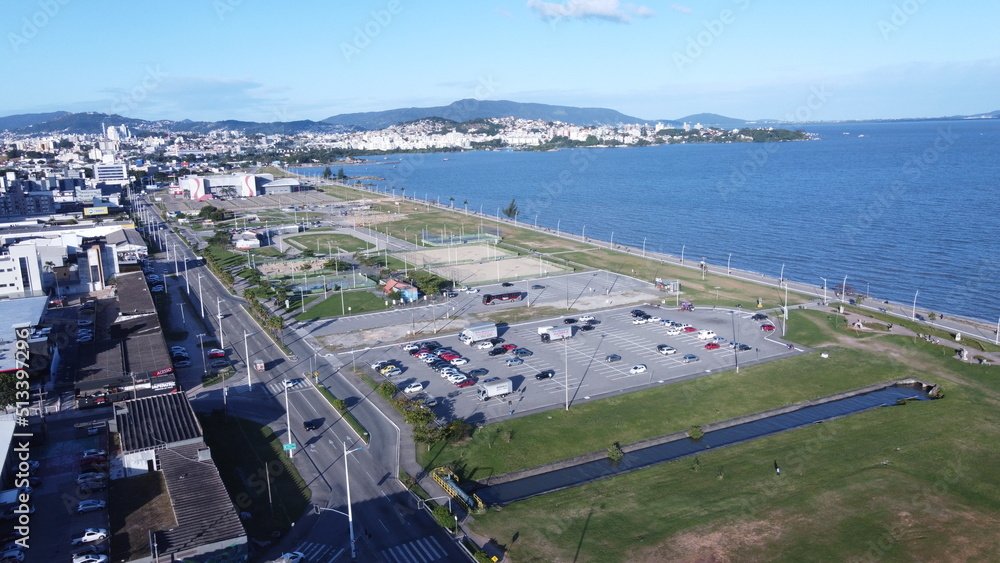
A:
271	61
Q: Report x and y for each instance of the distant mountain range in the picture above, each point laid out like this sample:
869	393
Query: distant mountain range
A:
460	111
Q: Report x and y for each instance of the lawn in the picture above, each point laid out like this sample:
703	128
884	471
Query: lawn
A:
361	301
241	450
905	483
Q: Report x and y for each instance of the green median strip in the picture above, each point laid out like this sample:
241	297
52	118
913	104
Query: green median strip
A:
341	407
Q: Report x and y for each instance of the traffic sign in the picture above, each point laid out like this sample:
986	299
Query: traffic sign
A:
291	446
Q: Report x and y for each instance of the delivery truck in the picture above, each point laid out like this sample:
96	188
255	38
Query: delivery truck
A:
500	388
478	333
550	333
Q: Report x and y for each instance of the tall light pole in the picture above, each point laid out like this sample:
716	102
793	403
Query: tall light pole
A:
784	325
246	354
781	276
612	239
583	234
201	344
729	271
643	247
843	290
200	300
683	246
218	309
824	289
288	425
566	367
736	349
350	513
913	313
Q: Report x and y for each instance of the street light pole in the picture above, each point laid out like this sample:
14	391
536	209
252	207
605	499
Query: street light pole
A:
350	513
683	246
200	300
824	289
288	425
913	313
246	354
201	344
566	369
218	309
729	271
643	247
843	290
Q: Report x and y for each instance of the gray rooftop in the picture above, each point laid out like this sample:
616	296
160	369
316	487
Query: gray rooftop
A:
156	422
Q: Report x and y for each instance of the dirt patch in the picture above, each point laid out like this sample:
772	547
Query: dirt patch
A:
293	267
719	546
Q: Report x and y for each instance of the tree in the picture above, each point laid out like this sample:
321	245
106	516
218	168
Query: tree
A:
341	175
419	416
466	204
452	199
327	173
308	252
511	211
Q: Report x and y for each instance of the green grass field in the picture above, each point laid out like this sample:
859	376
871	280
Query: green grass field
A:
323	242
360	301
904	483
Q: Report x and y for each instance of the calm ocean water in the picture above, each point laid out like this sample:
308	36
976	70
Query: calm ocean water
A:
896	207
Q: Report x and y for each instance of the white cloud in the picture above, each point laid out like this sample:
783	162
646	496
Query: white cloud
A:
681	9
601	9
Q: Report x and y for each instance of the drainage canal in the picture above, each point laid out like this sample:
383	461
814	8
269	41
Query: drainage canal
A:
563	477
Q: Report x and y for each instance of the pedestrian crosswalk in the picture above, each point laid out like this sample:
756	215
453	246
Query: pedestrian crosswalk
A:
313	551
423	550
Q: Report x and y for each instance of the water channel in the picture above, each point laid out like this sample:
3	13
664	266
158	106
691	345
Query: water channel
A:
563	477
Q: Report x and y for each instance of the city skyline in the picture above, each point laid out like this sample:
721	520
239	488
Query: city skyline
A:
231	59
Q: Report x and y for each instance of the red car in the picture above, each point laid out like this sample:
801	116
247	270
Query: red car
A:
509	347
216	353
690	329
767	327
711	345
468	382
449	356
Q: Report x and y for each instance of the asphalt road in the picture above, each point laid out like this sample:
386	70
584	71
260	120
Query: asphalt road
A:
387	525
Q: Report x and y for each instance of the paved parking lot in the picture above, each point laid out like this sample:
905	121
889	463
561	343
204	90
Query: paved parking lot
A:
589	375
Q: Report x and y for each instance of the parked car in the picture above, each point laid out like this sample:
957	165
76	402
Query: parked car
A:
587	318
219	364
546	374
183	364
11	555
85	338
569	321
611	358
637	369
90	476
84	322
216	353
178	349
712	346
478	372
460	361
497	352
586	327
637	313
467	382
413	388
666	350
484	345
759	317
410	347
538	286
90	453
90	558
90	535
689	329
508	347
491	379
89	505
688	358
522	352
156	289
514	362
767	327
393	372
507	284
292	557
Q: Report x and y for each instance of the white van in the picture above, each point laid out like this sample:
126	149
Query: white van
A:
706	334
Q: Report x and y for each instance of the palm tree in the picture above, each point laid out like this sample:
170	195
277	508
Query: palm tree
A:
452	202
466	204
50	267
402	193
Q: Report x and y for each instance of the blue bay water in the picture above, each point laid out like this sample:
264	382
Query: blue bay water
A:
896	207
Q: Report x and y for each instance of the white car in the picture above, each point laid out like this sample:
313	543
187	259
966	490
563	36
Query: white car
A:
641	368
156	289
410	347
639	321
413	388
653	319
90	535
484	345
89	505
457	377
289	383
292	557
587	318
92	453
666	350
673	331
178	349
90	558
459	361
